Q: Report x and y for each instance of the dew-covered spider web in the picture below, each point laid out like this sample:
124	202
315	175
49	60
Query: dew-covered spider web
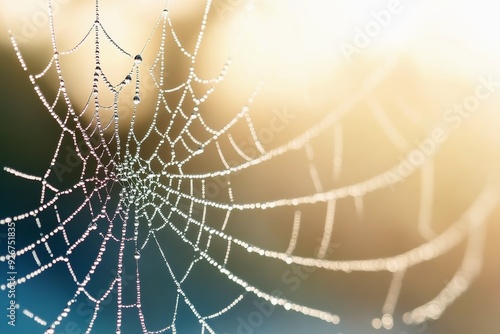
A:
170	203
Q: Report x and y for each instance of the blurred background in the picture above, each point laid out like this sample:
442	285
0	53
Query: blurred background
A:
313	58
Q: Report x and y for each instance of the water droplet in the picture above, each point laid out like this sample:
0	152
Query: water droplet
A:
128	78
200	149
137	255
136	99
195	112
138	59
387	321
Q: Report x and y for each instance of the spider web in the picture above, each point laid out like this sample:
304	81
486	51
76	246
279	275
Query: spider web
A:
158	201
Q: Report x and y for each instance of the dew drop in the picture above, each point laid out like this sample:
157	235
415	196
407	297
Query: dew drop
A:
387	321
138	59
128	78
195	112
136	99
137	255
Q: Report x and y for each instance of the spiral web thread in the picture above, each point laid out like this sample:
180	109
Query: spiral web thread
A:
122	190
